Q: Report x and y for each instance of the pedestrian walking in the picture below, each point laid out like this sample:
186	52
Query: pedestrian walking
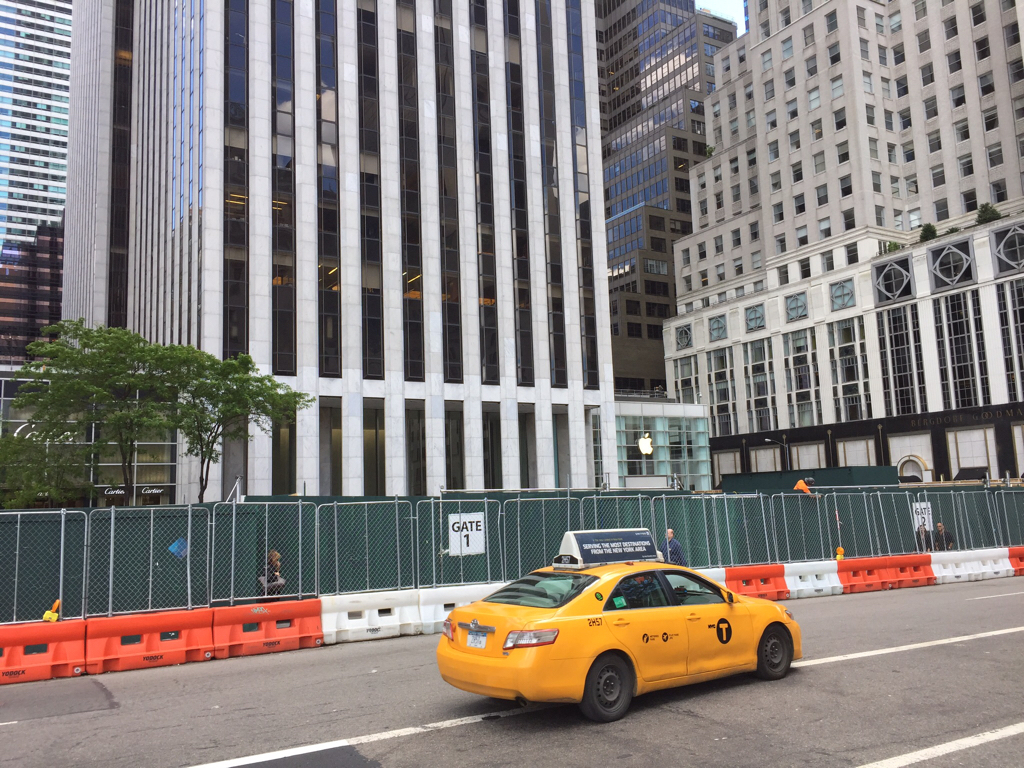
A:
672	550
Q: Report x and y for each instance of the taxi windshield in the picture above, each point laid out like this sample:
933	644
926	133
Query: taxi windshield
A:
543	590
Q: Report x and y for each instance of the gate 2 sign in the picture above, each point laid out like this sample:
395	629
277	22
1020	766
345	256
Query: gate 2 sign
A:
466	534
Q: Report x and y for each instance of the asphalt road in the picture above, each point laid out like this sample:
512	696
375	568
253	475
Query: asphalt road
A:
842	712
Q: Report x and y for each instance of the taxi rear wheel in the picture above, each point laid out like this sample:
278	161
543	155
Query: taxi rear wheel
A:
774	653
608	690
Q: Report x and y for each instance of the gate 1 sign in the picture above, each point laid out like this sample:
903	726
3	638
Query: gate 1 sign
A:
466	534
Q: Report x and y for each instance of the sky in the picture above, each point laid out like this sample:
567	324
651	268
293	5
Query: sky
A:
731	9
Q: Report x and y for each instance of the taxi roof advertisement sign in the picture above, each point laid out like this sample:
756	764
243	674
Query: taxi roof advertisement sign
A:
612	546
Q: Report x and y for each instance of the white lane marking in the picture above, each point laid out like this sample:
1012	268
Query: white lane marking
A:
283	753
384	735
900	648
950	746
989	597
10	722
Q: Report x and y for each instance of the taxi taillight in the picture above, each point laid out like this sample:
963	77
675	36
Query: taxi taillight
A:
447	630
530	639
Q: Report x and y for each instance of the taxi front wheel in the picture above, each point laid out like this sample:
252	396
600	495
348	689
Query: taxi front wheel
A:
609	689
774	653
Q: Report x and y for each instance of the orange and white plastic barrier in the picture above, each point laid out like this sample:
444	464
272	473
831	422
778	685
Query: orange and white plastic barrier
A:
437	602
247	630
766	581
41	650
1016	558
864	574
814	579
370	616
118	643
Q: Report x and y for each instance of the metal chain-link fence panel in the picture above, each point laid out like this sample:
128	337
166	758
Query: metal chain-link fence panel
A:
604	512
1012	505
459	542
805	531
751	539
44	554
263	551
532	530
366	546
147	559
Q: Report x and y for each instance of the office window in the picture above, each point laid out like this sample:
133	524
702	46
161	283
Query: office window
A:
873	148
775	181
766	60
890	125
773	151
837	87
808	34
824	228
769	90
1012	34
816	130
839	118
784	274
869	83
999	193
843	152
812	65
813	99
845	186
755	260
862	19
950	26
876	181
910	182
954	62
771	121
957	97
966	163
981	48
970	200
791	110
787	48
831	22
805	268
931	108
822	194
780	244
819	162
995	155
834	55
799	205
886	87
755	318
883	55
842	295
986	84
717	329
908	152
934	141
990	118
924	41
962	131
849	219
798	172
977	14
901	86
827	262
755	232
920	9
1016	70
941	210
938	175
891	150
865	49
777	213
796	307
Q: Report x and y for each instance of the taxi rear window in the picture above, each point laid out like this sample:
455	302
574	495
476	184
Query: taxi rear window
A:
543	590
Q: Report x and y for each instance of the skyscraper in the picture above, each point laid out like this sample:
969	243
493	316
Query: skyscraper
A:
657	69
388	205
812	320
35	58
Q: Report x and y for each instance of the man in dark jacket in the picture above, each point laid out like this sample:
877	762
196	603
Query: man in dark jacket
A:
943	539
672	550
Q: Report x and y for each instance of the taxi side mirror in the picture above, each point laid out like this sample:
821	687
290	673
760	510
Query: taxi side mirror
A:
729	596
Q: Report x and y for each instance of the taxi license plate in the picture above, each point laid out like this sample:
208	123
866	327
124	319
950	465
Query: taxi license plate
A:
477	640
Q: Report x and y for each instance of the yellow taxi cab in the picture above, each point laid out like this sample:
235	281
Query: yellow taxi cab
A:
607	622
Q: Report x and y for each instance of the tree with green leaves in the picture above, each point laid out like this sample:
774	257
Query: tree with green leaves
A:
217	401
106	379
928	232
988	213
117	388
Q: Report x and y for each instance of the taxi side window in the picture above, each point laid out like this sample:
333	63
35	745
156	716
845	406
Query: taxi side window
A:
689	591
641	590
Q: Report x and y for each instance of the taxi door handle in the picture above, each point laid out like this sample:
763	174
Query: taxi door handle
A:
693	617
620	623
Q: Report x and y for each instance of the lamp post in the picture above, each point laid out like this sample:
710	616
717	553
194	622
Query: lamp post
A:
785	450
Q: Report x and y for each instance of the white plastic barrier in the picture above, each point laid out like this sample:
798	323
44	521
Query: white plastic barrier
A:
816	579
951	567
370	616
991	563
715	574
436	603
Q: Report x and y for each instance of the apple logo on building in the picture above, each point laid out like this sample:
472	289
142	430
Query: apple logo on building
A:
645	444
